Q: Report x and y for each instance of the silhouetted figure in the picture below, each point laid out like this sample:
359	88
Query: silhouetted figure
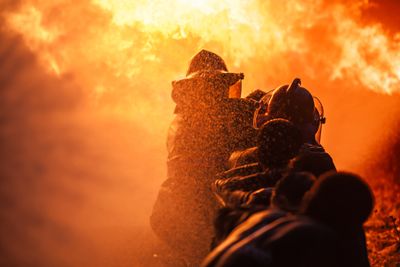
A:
278	141
211	121
312	158
296	104
328	233
343	201
244	221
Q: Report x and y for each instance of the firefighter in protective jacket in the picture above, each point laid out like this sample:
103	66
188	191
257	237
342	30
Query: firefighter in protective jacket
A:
211	121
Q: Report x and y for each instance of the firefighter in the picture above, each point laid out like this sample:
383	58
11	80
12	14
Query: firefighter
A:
296	104
270	203
211	121
278	141
328	231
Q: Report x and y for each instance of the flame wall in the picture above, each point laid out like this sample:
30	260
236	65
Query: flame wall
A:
85	104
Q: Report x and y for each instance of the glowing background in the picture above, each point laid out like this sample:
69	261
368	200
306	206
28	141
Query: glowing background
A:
85	104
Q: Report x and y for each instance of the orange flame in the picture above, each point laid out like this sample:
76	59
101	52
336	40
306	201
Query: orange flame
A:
127	52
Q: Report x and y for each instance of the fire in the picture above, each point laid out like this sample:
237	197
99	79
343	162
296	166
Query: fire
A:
123	36
369	56
125	53
223	22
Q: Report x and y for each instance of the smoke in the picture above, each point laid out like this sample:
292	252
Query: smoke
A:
85	105
76	183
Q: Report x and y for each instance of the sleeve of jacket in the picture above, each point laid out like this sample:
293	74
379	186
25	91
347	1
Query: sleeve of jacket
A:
235	191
